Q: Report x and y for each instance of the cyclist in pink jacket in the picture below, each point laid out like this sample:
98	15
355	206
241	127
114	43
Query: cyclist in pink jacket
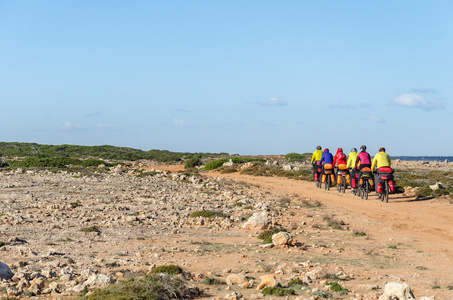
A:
363	160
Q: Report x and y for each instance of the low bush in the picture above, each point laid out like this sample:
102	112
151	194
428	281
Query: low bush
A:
212	281
277	291
266	236
207	214
294	157
168	269
336	287
237	160
151	286
423	192
90	229
228	170
192	163
296	282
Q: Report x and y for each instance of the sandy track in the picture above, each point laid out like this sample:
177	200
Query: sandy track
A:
420	230
424	225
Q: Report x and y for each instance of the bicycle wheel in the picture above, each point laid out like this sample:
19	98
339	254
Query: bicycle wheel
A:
327	184
366	190
386	192
344	184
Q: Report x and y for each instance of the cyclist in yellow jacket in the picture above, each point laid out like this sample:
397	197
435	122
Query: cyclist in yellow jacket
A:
352	158
315	158
382	160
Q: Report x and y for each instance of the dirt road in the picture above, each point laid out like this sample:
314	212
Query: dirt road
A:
406	238
421	231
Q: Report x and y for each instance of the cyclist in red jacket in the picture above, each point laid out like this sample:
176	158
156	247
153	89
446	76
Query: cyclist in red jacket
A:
339	159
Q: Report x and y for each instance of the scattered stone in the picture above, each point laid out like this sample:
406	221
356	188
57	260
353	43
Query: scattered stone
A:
258	221
397	290
436	186
236	279
267	281
282	238
5	272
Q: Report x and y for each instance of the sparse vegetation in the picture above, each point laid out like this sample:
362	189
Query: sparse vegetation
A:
278	291
90	229
207	214
151	286
192	162
335	224
296	282
311	204
358	233
168	269
237	160
212	281
336	287
266	236
297	157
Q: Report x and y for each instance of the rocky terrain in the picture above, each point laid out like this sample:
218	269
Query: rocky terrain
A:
63	234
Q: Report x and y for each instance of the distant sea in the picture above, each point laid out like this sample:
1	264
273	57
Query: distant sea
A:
424	158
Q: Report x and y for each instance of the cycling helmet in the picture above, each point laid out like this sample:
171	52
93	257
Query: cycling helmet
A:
327	149
363	147
382	149
353	150
340	149
318	147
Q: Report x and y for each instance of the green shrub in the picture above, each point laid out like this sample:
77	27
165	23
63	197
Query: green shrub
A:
75	204
296	282
168	269
93	162
212	281
294	157
45	162
228	170
440	192
266	236
237	160
336	287
151	286
207	214
90	229
423	192
322	294
277	291
192	163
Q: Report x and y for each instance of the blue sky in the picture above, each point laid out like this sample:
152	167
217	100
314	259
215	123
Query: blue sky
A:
239	76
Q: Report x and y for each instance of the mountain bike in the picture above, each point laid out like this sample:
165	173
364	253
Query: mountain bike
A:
342	181
327	175
317	175
365	183
384	187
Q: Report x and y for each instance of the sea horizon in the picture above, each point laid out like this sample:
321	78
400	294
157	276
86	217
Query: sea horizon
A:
424	158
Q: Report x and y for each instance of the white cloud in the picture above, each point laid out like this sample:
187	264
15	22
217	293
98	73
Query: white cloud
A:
376	119
274	101
423	90
416	101
365	105
71	126
341	104
180	123
105	126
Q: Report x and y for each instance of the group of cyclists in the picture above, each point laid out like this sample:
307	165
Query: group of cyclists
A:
357	169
